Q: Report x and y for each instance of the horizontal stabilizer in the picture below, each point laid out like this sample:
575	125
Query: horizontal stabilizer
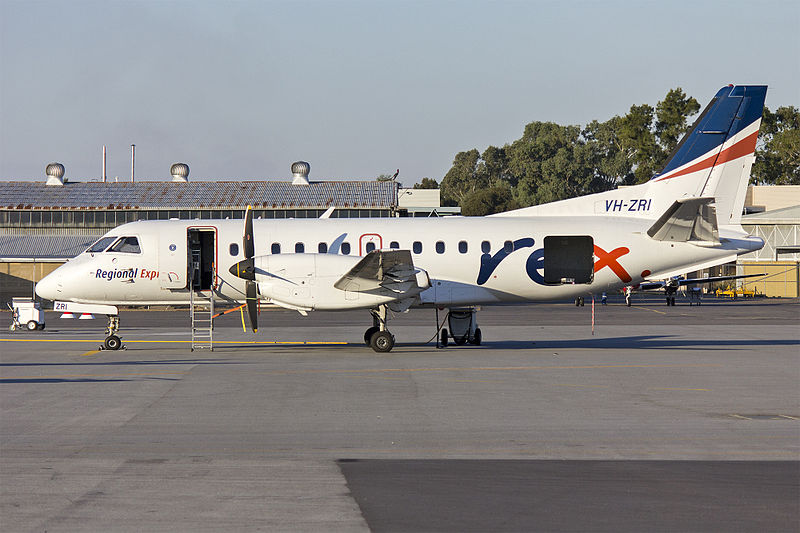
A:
687	219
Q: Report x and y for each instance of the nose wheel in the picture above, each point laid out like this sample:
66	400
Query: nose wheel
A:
112	341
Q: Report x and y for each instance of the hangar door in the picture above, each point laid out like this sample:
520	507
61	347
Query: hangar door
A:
568	259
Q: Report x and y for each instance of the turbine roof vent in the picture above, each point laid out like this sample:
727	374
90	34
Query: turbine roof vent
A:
55	174
180	172
300	170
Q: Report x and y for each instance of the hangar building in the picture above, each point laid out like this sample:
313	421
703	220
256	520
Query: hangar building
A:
42	224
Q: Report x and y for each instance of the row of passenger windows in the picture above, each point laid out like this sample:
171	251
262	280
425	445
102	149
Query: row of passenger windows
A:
416	247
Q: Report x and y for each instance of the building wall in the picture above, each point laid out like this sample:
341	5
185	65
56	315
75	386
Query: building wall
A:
771	197
18	278
782	278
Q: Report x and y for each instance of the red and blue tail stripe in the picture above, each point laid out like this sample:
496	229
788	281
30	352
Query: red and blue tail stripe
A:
726	130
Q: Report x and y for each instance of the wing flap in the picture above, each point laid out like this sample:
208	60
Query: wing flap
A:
390	270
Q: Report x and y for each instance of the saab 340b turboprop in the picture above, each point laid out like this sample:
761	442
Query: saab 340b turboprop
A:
684	219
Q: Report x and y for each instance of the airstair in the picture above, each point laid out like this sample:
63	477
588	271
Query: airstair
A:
201	311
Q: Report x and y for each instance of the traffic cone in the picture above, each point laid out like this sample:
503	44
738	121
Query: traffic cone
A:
67	315
86	316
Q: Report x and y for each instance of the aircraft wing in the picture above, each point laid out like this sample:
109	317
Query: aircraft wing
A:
392	270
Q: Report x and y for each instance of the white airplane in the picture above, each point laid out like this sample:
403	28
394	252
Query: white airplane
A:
685	219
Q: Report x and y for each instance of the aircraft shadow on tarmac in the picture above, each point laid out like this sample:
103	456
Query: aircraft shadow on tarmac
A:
645	342
79	380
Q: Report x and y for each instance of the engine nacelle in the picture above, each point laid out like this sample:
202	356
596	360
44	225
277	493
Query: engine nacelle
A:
305	282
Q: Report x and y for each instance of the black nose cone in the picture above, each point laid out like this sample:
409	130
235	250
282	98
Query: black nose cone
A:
244	269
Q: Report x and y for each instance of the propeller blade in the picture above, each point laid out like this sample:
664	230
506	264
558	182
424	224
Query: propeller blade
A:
247	242
252	304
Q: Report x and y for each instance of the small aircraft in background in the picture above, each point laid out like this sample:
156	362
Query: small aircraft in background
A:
671	286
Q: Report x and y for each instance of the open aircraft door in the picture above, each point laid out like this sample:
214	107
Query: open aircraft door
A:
172	257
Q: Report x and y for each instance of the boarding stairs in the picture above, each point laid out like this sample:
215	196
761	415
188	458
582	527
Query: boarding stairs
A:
201	311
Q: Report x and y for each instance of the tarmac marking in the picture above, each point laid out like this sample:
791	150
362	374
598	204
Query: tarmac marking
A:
271	343
740	417
90	352
679	388
70	376
648	309
582	386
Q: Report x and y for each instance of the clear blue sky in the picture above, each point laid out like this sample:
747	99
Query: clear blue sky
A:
242	89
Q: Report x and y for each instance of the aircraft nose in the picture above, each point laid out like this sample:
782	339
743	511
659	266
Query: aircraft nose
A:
49	287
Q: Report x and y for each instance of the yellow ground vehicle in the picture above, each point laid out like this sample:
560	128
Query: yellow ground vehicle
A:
735	293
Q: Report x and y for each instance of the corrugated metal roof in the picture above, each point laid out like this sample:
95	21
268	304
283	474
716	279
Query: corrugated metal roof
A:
44	246
198	195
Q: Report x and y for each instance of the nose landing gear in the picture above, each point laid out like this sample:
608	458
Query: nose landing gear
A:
113	341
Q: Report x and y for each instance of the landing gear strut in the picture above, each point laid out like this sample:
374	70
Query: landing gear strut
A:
378	337
112	342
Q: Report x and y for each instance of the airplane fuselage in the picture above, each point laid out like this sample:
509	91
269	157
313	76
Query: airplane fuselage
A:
486	260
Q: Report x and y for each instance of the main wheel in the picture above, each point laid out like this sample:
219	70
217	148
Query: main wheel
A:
32	325
112	342
382	341
443	338
477	338
369	333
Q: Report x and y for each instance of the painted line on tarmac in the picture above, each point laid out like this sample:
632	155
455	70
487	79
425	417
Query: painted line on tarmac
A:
648	309
679	388
72	376
269	343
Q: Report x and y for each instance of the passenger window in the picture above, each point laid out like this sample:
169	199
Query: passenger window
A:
101	245
233	249
394	245
417	247
486	247
370	247
508	247
462	247
126	245
439	247
345	248
276	248
299	248
322	247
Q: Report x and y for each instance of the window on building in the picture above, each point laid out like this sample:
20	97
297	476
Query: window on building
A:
276	248
462	247
417	247
439	247
126	245
394	245
369	247
486	247
345	248
322	247
233	249
299	248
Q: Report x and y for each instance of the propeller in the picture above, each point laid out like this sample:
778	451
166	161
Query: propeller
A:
245	269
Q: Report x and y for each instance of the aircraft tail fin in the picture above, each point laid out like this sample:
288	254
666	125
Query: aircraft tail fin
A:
716	155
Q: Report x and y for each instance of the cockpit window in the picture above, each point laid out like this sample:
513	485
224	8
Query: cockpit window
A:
127	245
101	245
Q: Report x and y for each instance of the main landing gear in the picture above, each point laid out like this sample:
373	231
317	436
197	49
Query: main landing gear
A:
463	323
378	337
113	341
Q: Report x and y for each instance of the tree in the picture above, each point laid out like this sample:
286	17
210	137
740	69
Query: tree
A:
496	199
463	178
778	151
427	183
671	118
